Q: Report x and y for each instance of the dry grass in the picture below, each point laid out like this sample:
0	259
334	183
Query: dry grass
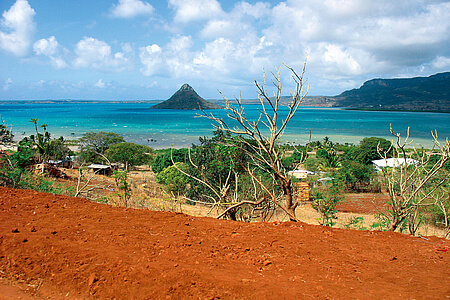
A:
146	193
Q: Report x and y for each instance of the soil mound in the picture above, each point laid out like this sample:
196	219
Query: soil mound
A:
54	247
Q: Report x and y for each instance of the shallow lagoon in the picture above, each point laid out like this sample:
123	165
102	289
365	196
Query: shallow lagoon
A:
140	124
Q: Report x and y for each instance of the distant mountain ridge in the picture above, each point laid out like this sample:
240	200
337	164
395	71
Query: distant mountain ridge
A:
186	98
413	94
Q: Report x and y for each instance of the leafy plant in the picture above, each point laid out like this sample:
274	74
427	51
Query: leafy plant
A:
325	199
121	179
356	223
173	181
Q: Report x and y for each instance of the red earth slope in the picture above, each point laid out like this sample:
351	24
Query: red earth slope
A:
55	247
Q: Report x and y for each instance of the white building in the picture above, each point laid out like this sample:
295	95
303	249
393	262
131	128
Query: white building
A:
300	173
393	162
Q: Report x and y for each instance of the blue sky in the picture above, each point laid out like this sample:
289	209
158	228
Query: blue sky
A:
137	49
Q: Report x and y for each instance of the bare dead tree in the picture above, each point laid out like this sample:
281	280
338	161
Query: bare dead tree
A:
413	180
83	182
261	147
225	196
84	179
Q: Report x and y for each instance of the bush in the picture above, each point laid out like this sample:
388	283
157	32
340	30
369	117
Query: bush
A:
325	198
172	179
165	159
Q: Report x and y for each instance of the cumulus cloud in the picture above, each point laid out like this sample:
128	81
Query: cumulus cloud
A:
50	48
96	54
218	58
151	58
19	22
131	9
46	47
194	10
336	56
345	38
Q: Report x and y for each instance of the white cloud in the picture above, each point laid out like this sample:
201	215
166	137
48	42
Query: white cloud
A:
20	25
50	48
194	10
151	59
96	54
46	47
100	84
220	28
131	9
58	63
441	63
8	83
215	61
366	37
258	10
334	55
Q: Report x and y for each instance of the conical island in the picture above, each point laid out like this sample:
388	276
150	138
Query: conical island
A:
186	98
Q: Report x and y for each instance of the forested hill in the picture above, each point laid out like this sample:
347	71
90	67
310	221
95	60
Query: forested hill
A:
413	94
186	98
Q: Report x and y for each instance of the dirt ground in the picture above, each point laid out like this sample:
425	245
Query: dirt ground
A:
57	247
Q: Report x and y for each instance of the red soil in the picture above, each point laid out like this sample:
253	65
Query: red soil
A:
54	247
364	203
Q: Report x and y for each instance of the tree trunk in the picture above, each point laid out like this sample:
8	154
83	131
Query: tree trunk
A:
288	198
395	223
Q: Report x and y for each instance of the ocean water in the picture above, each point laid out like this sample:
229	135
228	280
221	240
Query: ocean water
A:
174	128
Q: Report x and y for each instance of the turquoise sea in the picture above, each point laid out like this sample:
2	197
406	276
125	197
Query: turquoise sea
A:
140	124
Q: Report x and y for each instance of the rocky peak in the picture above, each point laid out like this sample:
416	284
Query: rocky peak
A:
186	87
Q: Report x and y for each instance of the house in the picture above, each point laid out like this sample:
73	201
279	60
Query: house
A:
393	162
101	169
61	163
300	173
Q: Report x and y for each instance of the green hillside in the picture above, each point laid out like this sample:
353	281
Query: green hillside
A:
413	94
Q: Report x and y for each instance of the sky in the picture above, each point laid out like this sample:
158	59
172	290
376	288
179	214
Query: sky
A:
147	49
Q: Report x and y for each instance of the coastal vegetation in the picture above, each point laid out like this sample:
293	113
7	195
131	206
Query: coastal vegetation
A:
244	171
214	174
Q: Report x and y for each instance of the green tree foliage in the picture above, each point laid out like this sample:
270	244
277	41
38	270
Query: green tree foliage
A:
173	181
167	158
325	198
368	150
43	146
215	173
299	155
6	135
122	183
58	149
329	161
357	177
93	143
41	141
15	170
217	162
13	167
129	154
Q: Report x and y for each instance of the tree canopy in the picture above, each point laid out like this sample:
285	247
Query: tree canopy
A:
93	143
129	154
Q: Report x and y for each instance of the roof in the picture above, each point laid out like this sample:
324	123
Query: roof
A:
98	166
393	162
